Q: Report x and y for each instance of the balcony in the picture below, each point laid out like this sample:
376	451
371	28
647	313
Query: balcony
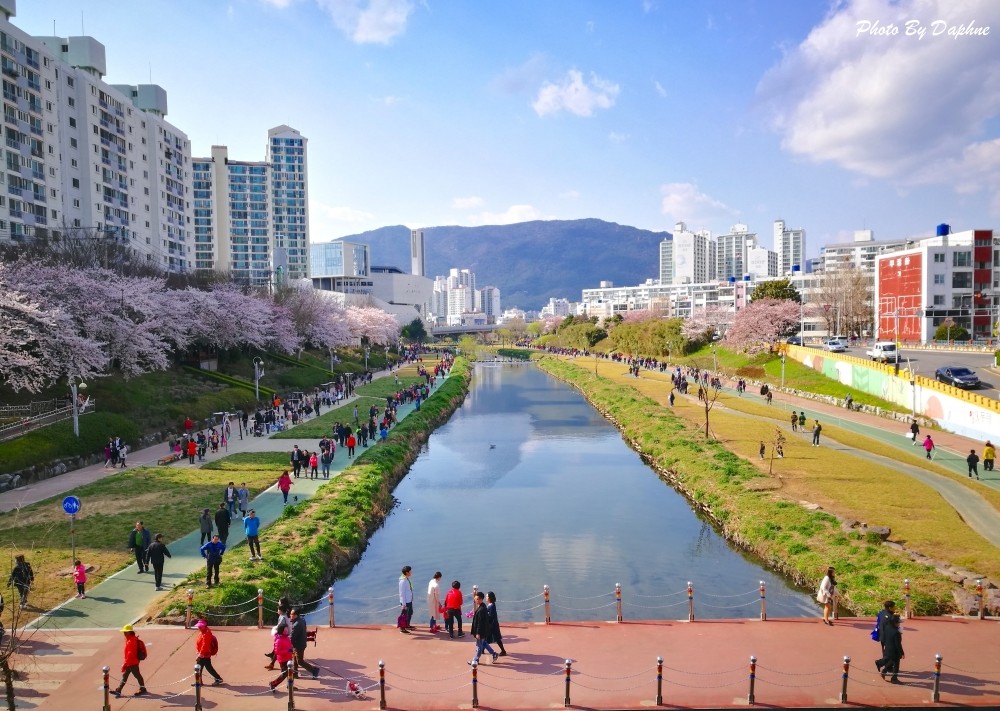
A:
14	191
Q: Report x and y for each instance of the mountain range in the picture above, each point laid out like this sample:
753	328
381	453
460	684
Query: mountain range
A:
529	262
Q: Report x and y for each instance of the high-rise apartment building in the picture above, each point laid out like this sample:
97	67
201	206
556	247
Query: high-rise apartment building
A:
667	261
791	248
731	253
286	153
694	256
417	262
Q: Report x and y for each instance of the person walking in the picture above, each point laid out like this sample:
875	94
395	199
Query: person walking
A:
22	577
973	461
212	553
138	543
453	609
296	459
817	428
352	442
928	446
313	466
299	637
251	527
205	523
802	420
881	622
281	624
495	636
763	449
795	421
284	484
283	653
893	649
406	599
192	450
230	497
206	645
326	459
134	652
243	498
434	599
827	593
157	555
222	521
989	455
914	432
80	578
481	628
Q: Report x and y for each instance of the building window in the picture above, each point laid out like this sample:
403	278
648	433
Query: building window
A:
961	259
939	278
938	299
939	258
961	280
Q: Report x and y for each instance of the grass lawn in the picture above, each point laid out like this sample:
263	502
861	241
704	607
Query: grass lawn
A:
168	500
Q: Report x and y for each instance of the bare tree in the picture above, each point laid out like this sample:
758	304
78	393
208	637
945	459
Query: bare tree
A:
777	447
845	300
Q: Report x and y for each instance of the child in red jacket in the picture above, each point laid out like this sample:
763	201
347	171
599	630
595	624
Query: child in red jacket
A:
283	653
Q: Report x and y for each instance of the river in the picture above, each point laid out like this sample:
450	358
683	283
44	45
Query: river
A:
525	486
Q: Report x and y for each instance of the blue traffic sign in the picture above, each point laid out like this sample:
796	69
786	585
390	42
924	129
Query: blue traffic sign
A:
71	505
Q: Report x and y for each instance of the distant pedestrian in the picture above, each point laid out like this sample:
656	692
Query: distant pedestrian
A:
817	428
230	497
157	555
123	454
763	449
205	522
192	450
326	459
138	543
973	460
296	460
802	420
670	398
482	628
352	442
212	553
928	445
284	484
434	599
243	498
22	577
80	578
251	526
495	636
222	521
207	646
914	431
406	599
827	594
795	421
134	652
989	455
313	466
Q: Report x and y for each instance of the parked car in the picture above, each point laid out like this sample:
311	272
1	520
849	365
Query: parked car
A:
835	345
958	375
794	341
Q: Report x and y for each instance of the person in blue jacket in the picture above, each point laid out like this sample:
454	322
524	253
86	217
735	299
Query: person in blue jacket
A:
212	553
251	526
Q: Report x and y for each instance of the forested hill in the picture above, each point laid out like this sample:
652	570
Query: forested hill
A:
529	261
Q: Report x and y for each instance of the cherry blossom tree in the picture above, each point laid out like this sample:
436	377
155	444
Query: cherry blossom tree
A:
757	327
705	321
317	319
372	324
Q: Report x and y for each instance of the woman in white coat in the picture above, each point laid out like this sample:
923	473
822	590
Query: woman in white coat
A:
827	594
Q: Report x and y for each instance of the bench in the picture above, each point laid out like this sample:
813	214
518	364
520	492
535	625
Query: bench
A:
169	459
311	636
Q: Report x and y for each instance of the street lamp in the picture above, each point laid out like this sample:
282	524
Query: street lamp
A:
74	388
387	357
782	370
367	352
258	373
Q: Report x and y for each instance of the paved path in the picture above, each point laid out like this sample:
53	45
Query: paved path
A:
124	597
705	665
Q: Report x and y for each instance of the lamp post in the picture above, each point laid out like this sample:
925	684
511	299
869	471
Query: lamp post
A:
387	358
782	370
74	389
258	373
367	352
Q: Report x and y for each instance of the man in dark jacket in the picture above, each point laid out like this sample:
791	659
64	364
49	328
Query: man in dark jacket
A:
138	542
222	520
881	622
298	633
22	577
482	627
157	555
893	648
212	553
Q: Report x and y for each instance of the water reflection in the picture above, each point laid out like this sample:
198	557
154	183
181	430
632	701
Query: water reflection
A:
527	485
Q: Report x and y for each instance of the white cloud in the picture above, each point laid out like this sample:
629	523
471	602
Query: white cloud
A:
684	202
575	95
467	203
616	137
908	109
513	214
368	21
659	89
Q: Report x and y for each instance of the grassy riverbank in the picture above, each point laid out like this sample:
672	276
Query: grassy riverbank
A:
763	514
323	537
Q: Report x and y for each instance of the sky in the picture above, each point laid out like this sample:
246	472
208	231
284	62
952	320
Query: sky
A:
834	116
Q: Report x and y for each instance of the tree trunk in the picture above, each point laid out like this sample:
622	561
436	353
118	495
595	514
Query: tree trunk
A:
8	682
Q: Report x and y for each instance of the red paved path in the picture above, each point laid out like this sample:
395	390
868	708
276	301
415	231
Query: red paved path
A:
614	666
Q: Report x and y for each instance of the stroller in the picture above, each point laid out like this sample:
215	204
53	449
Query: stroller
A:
258	429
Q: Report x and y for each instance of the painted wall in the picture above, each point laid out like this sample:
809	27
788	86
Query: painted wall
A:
959	411
900	288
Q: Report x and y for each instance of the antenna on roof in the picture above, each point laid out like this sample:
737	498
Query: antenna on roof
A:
82	31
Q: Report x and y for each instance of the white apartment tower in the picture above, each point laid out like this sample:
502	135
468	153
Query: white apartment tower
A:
417	263
731	252
286	153
694	256
667	261
791	248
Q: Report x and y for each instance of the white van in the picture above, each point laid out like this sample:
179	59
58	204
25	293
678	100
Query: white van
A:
884	351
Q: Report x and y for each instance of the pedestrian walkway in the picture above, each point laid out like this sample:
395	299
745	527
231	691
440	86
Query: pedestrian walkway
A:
126	595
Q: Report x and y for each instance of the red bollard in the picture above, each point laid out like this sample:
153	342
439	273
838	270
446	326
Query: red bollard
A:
475	685
618	600
753	679
690	602
260	608
545	593
569	665
936	696
659	681
381	684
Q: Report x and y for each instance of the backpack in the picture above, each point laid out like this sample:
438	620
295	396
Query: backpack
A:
213	647
141	649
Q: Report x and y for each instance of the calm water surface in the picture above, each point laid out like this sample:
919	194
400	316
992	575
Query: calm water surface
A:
527	486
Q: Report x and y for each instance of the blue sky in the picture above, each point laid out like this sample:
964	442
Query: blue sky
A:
641	112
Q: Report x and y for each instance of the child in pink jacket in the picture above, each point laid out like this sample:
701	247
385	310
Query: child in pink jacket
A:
80	578
283	653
